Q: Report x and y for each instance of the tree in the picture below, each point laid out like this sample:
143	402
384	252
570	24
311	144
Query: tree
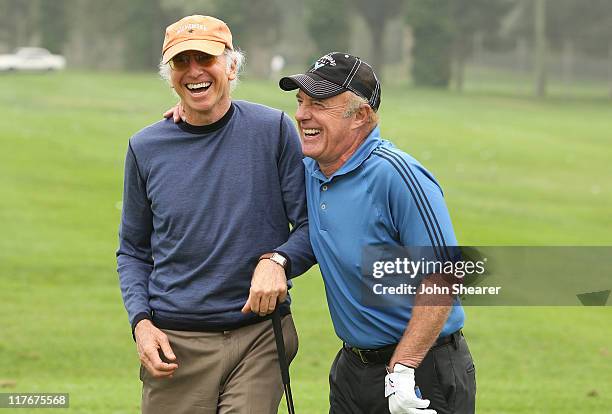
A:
17	23
444	32
53	25
432	31
468	18
143	34
567	25
255	28
328	25
540	48
586	28
95	37
377	14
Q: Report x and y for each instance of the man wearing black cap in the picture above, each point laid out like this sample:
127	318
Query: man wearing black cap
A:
364	192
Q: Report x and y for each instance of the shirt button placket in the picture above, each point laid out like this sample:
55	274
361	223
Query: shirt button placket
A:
323	206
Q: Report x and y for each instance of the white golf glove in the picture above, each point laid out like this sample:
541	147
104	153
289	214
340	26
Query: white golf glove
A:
399	388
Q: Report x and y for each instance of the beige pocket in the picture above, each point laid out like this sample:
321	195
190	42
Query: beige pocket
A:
291	337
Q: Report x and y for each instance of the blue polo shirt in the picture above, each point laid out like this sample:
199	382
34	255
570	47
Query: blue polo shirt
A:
380	196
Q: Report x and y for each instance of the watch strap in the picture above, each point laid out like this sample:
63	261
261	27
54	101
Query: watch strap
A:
270	256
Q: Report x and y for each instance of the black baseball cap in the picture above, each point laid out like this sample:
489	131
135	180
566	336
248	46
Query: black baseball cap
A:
333	74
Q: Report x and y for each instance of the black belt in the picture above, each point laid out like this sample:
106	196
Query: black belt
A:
384	354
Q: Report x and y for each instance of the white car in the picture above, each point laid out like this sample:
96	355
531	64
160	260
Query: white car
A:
32	58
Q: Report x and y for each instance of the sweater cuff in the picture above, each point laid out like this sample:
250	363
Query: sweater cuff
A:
140	316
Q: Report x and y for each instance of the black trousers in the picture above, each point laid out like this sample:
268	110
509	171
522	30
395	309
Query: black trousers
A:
446	377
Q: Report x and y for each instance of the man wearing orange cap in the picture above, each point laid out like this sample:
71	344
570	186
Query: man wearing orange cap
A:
205	248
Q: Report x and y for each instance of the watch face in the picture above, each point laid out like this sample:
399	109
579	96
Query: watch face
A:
278	258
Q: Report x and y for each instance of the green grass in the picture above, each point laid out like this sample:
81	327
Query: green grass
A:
515	171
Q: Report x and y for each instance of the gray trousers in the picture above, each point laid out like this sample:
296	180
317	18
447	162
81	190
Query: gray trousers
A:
446	377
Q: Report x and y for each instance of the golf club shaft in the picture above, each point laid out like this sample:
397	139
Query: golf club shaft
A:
282	359
289	398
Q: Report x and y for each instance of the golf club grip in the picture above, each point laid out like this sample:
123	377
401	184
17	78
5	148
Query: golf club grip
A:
280	345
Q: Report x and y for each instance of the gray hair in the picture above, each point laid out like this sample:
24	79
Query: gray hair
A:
232	57
354	103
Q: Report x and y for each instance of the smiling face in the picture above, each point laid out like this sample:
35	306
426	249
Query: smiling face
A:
327	135
202	82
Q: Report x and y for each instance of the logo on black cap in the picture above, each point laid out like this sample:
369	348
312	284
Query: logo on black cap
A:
322	61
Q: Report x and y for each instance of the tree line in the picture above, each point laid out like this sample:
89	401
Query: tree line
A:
128	35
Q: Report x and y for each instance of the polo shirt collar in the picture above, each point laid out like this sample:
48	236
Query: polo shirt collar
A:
363	152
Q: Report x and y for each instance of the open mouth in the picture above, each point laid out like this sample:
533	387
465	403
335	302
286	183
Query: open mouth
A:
311	132
196	88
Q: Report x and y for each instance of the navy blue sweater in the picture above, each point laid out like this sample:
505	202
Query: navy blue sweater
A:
200	205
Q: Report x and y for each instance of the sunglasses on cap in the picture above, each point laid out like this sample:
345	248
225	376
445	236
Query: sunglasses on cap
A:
182	61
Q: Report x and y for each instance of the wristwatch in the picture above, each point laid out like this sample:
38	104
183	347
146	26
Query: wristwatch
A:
277	258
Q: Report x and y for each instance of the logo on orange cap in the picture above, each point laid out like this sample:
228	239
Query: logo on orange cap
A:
203	33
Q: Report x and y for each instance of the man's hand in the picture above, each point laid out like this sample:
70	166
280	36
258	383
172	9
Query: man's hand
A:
399	387
268	284
149	340
176	113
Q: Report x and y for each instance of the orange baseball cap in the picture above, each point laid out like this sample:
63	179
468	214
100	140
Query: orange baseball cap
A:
203	33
